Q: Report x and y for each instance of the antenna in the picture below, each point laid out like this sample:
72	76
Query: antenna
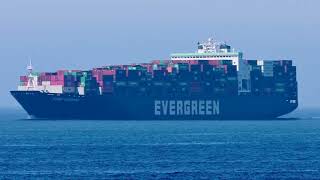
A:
29	67
32	78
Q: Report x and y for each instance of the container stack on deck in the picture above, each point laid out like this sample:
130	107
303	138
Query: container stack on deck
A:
273	77
172	78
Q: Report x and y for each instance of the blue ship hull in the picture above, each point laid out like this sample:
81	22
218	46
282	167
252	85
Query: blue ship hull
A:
112	107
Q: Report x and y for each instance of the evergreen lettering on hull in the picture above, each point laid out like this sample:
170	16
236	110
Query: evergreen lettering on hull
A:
186	107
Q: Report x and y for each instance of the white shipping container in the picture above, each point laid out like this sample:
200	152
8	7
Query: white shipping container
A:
100	90
58	89
45	83
45	88
22	88
260	62
80	90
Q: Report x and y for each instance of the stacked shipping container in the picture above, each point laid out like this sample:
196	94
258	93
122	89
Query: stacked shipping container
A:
273	77
176	78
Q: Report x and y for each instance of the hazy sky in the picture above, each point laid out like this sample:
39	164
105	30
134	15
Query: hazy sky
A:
73	34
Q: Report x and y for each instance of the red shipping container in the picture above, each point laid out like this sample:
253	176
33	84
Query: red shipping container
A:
214	62
108	72
57	83
60	75
166	61
44	78
155	62
60	83
23	78
96	73
178	61
193	61
53	78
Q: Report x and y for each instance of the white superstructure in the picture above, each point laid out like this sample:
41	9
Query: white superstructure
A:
213	50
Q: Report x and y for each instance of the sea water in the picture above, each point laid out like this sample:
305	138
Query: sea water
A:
91	149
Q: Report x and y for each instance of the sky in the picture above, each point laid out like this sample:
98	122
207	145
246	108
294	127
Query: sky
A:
81	34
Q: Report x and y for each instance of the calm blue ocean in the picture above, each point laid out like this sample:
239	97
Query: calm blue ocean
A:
84	149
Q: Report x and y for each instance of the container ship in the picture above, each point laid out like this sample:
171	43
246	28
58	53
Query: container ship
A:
213	83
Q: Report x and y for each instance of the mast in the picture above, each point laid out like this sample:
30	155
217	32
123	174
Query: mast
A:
32	78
